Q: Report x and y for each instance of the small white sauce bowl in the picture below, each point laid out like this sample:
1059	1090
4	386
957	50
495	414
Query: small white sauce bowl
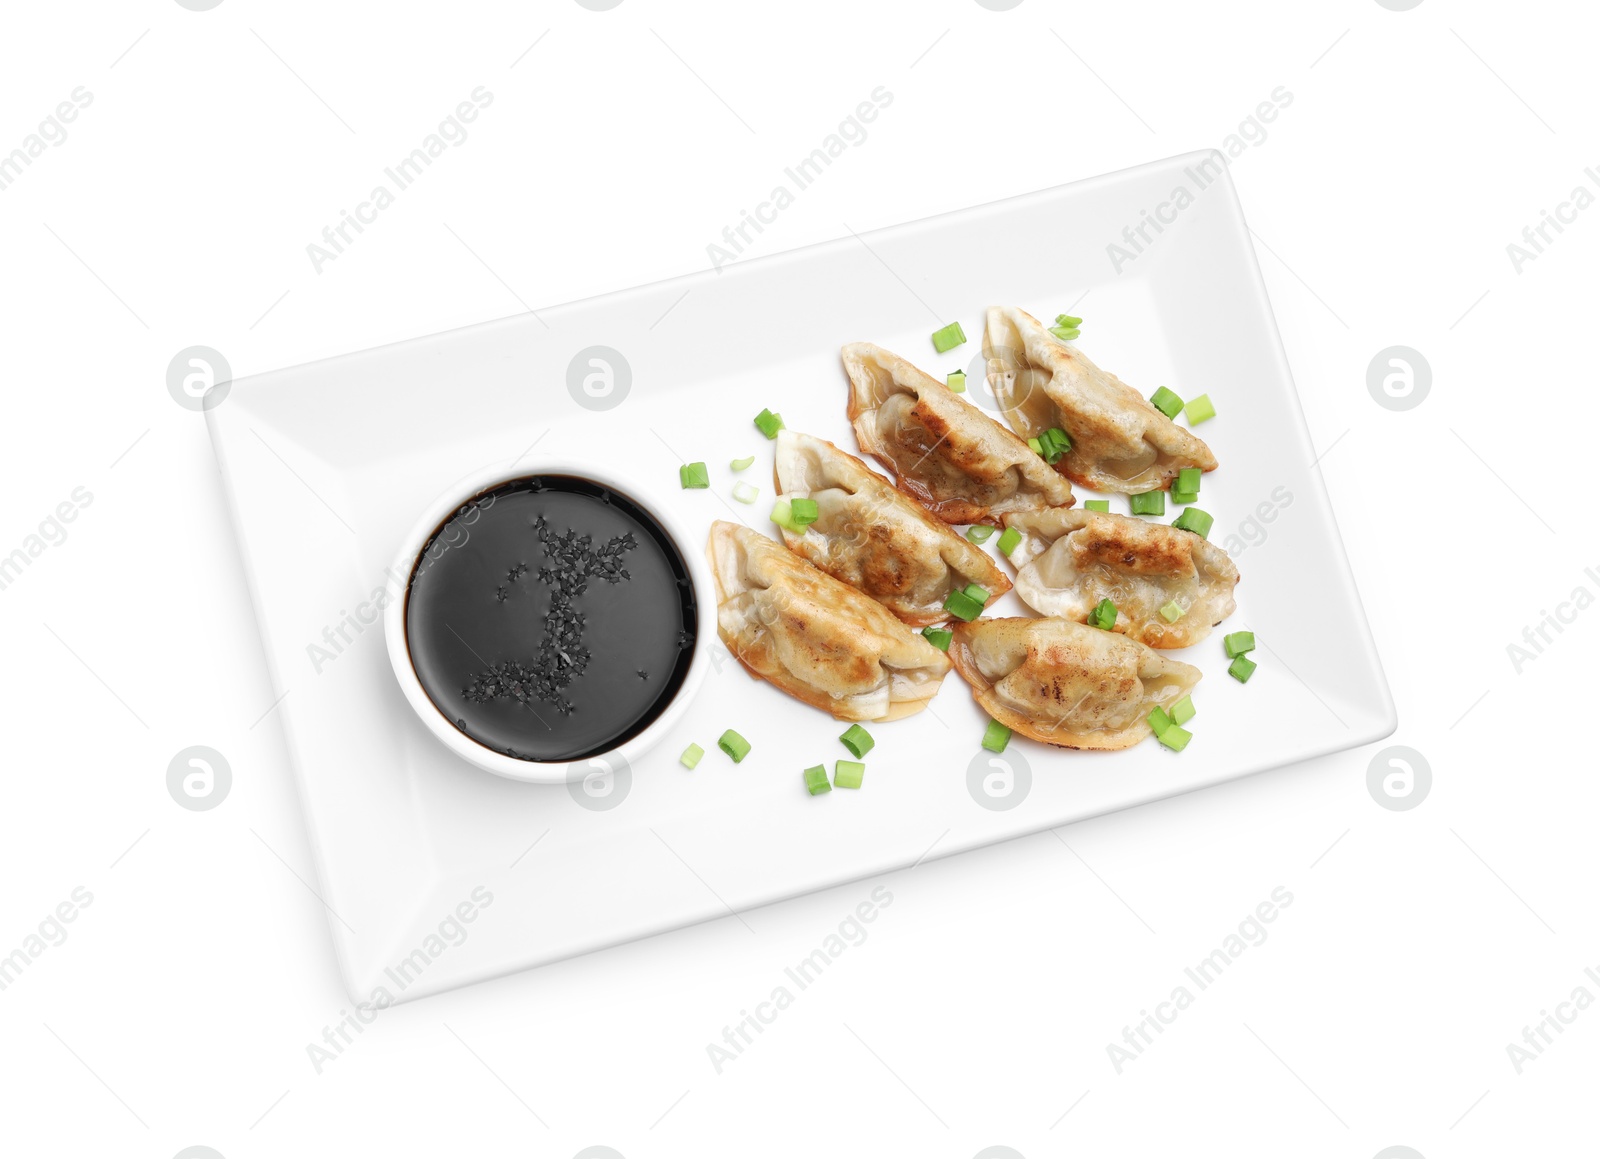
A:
432	519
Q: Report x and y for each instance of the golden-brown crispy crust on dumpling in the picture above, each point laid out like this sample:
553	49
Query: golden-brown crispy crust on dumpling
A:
945	453
819	640
1068	560
873	537
1120	441
1067	684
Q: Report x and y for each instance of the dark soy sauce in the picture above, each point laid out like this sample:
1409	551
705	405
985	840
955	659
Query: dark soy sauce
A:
551	618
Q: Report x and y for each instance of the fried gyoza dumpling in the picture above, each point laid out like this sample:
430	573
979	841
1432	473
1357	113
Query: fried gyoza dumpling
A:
874	538
1069	560
1120	442
1066	683
946	454
819	640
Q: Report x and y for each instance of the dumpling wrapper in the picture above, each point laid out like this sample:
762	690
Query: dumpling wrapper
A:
1065	683
873	537
1120	441
818	639
945	453
1070	560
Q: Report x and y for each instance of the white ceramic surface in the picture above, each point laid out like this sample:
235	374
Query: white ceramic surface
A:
394	618
327	465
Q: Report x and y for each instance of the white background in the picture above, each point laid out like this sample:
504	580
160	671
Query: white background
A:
978	1012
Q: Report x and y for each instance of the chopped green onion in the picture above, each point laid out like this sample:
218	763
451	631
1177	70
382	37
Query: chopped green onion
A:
691	756
1149	503
1035	446
745	493
769	423
938	637
1054	443
848	774
1195	520
741	464
1009	538
858	740
1241	668
962	606
948	337
1068	321
1184	498
1183	711
1236	644
1166	402
694	475
1097	505
979	533
996	736
1175	738
1171	612
1104	615
1188	480
978	592
1198	410
956	380
783	516
1065	333
817	780
1158	720
734	745
802	512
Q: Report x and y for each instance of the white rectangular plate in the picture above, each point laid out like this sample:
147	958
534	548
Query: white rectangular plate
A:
327	465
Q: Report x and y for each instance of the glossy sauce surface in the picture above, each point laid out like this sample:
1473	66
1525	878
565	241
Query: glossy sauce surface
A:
551	618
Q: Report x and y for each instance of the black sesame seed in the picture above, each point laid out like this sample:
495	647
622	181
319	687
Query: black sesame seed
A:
562	657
